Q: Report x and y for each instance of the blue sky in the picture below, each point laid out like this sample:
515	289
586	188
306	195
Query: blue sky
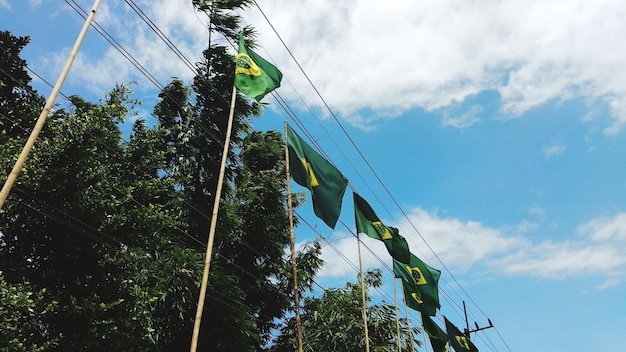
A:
497	126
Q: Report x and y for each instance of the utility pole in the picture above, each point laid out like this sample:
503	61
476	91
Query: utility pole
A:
467	331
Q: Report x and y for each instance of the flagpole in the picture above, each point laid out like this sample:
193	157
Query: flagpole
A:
395	299
367	340
21	160
424	332
209	248
408	321
292	243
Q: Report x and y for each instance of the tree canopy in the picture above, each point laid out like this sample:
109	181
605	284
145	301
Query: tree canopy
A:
334	322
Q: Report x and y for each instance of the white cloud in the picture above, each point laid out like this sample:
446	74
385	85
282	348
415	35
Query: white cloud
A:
341	258
605	229
611	281
459	244
560	260
553	150
463	119
601	250
5	4
390	56
526	226
536	211
432	54
464	245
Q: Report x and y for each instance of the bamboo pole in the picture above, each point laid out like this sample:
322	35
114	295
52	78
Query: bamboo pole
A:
408	321
395	301
21	160
424	333
367	340
292	242
209	249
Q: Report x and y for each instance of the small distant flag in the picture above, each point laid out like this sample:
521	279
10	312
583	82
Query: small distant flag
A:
326	183
420	285
415	300
254	76
438	337
458	340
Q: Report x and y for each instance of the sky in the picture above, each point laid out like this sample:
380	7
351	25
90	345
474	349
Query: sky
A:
496	131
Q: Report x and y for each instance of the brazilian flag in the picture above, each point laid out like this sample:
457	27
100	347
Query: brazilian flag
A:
326	183
420	280
254	76
416	300
458	340
368	223
438	337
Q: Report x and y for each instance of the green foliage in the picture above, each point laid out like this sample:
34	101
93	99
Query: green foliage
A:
95	223
253	228
102	239
19	104
334	322
24	312
221	16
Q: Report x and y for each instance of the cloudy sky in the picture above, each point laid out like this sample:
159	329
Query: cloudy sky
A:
498	128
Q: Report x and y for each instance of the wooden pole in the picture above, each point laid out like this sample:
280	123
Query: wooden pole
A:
209	248
21	160
424	333
395	299
292	242
367	340
408	321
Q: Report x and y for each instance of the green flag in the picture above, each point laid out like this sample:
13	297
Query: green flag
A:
368	223
254	76
414	300
419	282
438	337
421	278
311	170
458	340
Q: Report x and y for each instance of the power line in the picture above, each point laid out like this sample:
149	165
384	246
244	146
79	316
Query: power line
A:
129	56
179	54
161	35
109	38
348	137
131	198
285	106
113	42
366	161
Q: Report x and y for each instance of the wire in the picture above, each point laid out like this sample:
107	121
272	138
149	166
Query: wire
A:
285	106
161	35
332	114
116	44
48	214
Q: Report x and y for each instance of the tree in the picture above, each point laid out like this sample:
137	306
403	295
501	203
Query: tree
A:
249	287
23	312
94	224
334	322
91	227
114	230
19	103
